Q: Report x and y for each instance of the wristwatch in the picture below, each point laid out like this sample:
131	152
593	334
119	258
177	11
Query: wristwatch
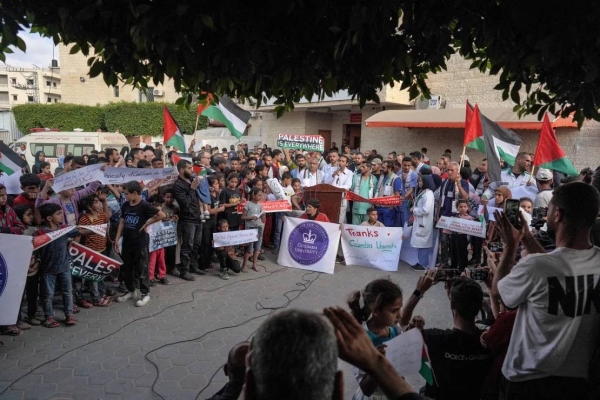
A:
418	293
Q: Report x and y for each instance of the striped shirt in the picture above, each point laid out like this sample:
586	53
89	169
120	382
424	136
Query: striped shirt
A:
94	241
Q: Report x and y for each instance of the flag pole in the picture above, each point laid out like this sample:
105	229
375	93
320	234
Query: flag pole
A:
462	158
197	119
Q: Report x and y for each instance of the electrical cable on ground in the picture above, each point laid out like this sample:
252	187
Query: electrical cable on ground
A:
268	273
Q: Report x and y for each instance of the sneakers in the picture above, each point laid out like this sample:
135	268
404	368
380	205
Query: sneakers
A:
126	296
143	301
223	274
164	281
32	321
186	276
418	267
152	283
122	287
175	272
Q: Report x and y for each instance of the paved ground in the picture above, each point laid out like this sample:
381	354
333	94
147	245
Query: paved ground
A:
175	346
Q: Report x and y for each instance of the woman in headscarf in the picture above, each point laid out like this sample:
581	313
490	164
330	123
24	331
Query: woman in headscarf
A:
422	231
40	157
312	211
501	194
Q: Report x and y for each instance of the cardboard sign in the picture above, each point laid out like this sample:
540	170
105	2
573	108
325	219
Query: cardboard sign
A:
162	234
405	352
473	228
390	201
367	246
78	177
303	142
233	238
89	264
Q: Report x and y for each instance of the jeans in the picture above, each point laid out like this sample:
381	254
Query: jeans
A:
386	215
97	290
206	249
444	248
135	268
226	262
459	252
255	246
32	286
423	256
65	285
191	240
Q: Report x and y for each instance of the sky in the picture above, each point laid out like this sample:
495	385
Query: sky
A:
39	52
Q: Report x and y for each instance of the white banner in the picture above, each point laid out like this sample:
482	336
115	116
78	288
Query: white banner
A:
473	228
410	254
405	352
11	182
162	234
372	247
311	245
233	238
97	229
15	255
110	176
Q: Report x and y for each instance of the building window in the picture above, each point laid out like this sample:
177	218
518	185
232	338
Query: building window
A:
48	83
30	99
13	81
116	91
54	84
56	100
30	82
15	97
49	100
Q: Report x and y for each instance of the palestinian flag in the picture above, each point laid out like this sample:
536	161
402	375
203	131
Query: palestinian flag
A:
204	104
473	132
426	370
172	133
178	157
10	162
233	116
549	154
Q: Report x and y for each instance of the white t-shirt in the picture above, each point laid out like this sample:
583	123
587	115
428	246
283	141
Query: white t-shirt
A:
543	198
558	322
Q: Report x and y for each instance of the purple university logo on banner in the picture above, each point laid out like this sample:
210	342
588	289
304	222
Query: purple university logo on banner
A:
308	243
3	274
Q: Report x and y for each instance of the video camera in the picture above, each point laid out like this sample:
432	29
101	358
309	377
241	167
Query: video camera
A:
538	216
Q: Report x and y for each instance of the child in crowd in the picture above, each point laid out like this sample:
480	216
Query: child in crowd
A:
459	242
55	264
30	185
156	258
172	214
67	200
297	198
379	309
96	212
247	176
226	254
216	207
26	216
136	215
526	204
229	199
372	219
255	219
45	174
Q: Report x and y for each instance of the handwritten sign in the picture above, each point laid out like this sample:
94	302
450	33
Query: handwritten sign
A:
405	351
269	206
473	228
372	247
233	238
390	201
89	264
162	234
168	181
304	142
78	177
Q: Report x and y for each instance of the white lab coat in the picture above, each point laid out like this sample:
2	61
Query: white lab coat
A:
423	210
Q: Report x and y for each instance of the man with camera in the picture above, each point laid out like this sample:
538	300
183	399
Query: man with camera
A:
555	335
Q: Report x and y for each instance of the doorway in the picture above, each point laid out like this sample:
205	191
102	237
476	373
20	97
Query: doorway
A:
326	138
352	136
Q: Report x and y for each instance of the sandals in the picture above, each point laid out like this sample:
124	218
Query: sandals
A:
105	301
85	304
50	323
11	330
110	292
70	321
75	309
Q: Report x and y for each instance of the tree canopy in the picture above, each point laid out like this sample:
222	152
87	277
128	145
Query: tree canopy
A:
296	49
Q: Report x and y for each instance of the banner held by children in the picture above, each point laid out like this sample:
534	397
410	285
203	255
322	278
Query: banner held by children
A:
15	255
311	245
390	201
233	238
42	240
473	228
269	206
89	264
302	142
372	247
162	234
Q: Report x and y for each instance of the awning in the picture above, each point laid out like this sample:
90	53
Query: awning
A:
455	118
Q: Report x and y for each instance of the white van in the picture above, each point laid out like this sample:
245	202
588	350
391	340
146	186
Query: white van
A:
59	144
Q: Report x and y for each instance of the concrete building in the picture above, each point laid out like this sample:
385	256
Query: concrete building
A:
79	88
29	85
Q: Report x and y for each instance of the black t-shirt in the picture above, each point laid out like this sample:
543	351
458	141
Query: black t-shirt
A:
214	203
230	213
135	217
460	364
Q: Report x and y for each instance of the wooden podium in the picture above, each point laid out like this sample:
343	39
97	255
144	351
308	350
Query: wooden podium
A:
330	198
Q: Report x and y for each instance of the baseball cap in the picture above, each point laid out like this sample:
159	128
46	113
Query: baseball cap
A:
544	175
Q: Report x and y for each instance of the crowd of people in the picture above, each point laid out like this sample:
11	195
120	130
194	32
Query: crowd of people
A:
530	332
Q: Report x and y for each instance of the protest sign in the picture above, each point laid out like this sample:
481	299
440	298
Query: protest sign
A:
97	229
11	182
390	201
162	234
269	206
89	264
116	176
303	142
169	180
42	240
372	247
473	228
15	255
311	245
405	352
490	211
78	177
233	238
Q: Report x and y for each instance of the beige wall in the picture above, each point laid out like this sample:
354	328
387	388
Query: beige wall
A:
8	91
93	90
